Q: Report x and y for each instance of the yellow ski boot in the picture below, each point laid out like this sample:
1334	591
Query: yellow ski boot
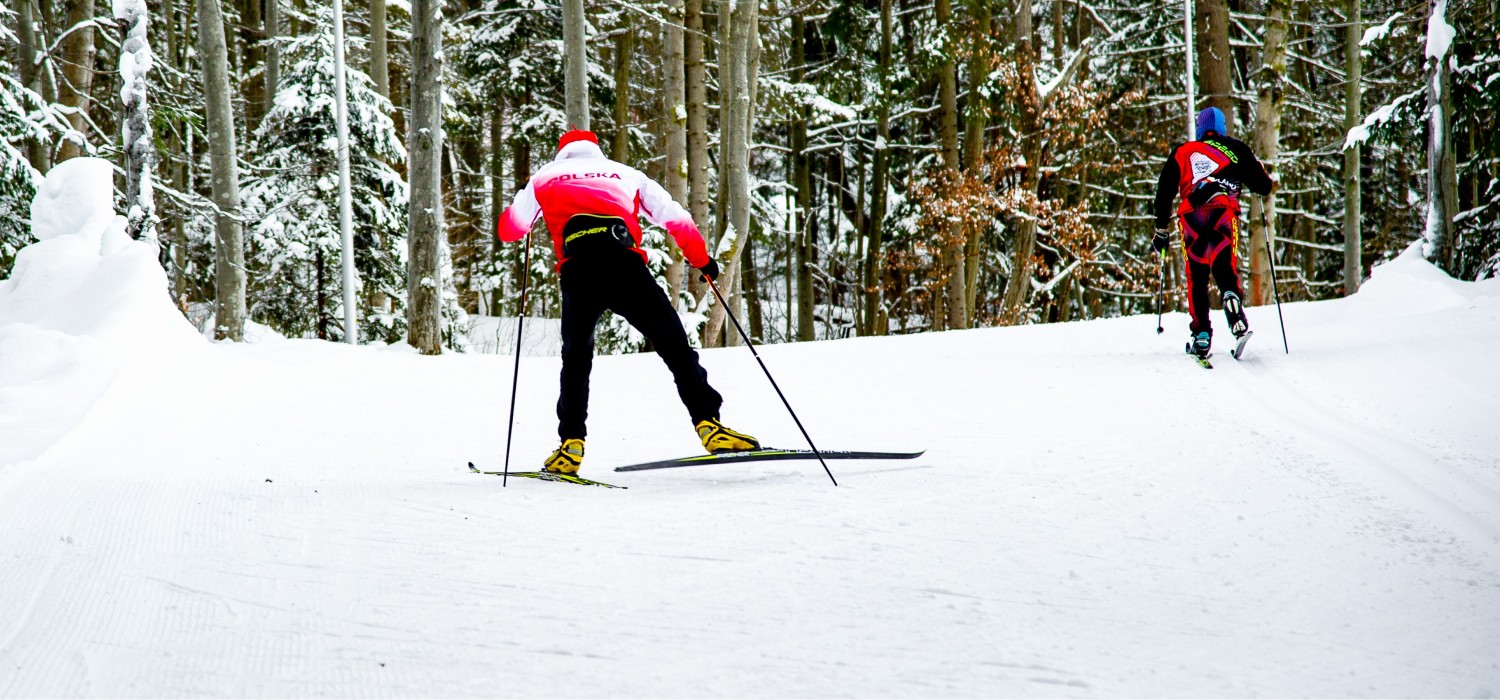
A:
717	438
566	458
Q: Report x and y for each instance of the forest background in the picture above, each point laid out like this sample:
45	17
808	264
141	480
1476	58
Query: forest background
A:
860	167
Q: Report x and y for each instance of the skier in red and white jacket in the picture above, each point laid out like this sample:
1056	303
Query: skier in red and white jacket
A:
591	205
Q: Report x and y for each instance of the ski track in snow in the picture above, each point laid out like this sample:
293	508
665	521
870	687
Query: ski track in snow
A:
1095	517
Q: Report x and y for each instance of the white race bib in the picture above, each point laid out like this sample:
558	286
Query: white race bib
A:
1202	165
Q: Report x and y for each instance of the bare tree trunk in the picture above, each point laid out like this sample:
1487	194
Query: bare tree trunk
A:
977	121
179	146
425	171
273	53
743	19
575	66
624	47
229	246
77	72
953	253
674	101
252	25
1353	67
727	124
47	78
1442	177
38	152
497	194
803	237
135	124
695	72
751	281
184	183
380	62
1212	29
1018	287
520	167
1268	148
874	275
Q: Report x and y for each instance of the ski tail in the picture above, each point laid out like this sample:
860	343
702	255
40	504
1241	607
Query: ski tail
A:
1239	347
766	455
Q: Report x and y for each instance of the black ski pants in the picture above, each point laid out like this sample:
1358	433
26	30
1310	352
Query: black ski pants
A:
611	276
1210	236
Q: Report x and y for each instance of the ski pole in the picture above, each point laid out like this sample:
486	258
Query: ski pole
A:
751	344
1161	283
1276	296
516	374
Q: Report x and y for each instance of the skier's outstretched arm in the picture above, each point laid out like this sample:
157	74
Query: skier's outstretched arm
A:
1253	173
662	210
516	222
1166	191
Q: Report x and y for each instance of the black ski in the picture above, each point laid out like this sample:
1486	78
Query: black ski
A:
1239	347
765	455
549	476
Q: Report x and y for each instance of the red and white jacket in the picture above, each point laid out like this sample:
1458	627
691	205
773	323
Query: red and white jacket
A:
580	180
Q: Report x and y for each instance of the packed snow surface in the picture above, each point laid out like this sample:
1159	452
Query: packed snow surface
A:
1095	516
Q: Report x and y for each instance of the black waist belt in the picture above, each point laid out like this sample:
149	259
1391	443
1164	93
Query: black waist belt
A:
585	232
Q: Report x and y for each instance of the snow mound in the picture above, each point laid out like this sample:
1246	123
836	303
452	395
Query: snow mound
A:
80	303
75	200
1409	285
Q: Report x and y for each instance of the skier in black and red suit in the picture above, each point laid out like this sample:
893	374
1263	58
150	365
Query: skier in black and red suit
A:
591	204
1209	174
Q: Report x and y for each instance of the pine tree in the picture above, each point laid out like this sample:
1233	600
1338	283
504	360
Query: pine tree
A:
24	118
293	200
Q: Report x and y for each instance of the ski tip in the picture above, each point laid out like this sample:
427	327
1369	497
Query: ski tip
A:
473	468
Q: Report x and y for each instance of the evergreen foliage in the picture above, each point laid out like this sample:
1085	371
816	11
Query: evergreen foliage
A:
291	202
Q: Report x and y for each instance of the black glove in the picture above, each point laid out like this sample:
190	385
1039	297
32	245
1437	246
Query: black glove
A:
1162	240
710	270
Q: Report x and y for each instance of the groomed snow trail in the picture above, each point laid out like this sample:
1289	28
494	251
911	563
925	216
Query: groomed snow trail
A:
1095	517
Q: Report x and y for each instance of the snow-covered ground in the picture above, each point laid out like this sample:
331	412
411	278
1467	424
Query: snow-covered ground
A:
1095	516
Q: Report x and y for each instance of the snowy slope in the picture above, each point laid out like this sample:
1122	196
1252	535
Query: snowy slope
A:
1095	516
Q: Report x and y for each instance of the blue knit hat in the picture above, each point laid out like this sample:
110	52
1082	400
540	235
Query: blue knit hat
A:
1211	119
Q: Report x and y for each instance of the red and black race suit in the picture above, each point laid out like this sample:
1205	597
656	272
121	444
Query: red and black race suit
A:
1208	175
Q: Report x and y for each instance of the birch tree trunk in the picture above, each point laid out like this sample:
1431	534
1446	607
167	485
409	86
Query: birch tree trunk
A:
953	250
135	125
77	73
575	66
424	163
1267	144
1442	176
1353	67
727	124
229	247
674	101
743	18
695	73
